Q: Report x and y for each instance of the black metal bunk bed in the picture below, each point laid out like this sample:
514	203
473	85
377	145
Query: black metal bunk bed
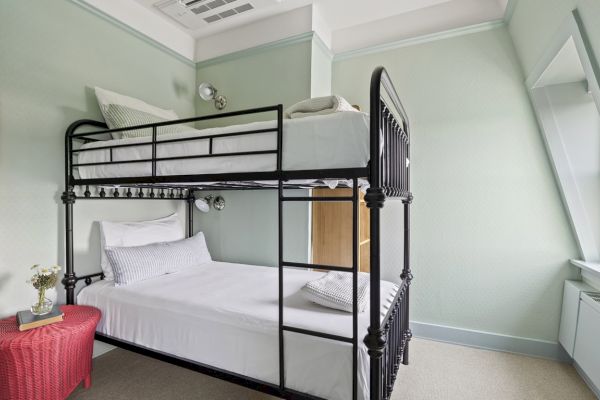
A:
388	174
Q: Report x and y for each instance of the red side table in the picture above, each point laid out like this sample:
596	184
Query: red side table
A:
49	362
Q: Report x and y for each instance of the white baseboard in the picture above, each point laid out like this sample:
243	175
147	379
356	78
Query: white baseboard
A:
491	341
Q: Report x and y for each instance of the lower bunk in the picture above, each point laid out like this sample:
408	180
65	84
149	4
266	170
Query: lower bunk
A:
219	317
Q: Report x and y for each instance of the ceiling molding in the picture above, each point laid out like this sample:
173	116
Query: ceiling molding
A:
485	26
133	31
303	37
319	42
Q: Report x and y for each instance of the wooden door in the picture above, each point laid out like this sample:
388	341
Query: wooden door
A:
332	230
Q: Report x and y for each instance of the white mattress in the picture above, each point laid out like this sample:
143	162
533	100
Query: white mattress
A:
339	140
226	315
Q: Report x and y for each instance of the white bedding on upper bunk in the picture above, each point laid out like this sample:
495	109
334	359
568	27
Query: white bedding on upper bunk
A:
339	140
226	315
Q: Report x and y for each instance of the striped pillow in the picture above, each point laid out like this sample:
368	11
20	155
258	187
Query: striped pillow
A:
119	116
133	264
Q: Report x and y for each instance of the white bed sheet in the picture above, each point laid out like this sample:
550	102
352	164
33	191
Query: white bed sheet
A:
339	140
226	315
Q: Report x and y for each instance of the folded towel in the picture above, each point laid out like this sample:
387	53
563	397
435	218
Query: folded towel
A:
318	106
334	290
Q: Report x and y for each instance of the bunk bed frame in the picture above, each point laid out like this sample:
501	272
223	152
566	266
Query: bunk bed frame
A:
388	174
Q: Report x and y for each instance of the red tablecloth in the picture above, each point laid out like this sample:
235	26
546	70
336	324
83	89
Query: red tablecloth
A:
49	362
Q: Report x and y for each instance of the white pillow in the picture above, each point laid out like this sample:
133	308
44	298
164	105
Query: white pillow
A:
106	98
334	290
125	234
138	263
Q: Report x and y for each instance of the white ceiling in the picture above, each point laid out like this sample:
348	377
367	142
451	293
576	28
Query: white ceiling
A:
336	21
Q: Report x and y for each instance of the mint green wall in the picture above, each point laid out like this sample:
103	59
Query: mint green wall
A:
264	77
535	22
53	52
490	237
321	69
246	231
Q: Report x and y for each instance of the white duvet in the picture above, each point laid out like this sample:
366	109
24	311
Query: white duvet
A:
226	315
339	140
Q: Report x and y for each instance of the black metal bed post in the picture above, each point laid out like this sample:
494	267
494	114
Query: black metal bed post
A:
68	198
280	245
69	280
190	212
375	199
406	275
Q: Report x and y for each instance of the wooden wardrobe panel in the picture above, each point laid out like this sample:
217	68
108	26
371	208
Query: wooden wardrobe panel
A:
332	230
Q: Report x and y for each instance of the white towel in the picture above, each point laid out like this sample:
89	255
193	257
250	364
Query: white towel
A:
318	106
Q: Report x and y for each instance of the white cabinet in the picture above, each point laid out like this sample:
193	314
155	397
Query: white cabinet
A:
570	313
587	341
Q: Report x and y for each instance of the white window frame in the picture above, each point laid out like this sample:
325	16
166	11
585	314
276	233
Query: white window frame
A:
572	28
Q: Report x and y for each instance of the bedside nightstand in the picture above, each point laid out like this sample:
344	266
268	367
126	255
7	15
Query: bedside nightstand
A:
48	362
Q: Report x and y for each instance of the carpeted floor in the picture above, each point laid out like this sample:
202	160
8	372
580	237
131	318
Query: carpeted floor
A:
438	371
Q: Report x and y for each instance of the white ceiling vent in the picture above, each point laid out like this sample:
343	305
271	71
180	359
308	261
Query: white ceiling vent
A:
194	14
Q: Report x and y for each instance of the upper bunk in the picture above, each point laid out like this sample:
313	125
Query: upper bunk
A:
322	150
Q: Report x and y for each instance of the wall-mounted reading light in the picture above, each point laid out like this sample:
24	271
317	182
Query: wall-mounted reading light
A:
203	203
208	92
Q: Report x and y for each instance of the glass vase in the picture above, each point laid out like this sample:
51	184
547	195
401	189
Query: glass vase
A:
43	305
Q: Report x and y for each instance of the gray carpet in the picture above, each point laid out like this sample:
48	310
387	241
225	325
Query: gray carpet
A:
438	371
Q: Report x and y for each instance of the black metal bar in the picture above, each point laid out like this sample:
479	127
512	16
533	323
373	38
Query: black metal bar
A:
355	270
280	138
120	198
280	283
317	266
317	334
190	213
155	159
153	151
235	176
185	139
179	121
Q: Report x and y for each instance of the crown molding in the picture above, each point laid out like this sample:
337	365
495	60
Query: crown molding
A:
319	42
467	30
303	37
153	42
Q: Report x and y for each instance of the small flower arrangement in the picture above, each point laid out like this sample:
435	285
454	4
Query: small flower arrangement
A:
43	279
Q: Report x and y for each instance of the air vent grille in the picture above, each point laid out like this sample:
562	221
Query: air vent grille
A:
225	14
